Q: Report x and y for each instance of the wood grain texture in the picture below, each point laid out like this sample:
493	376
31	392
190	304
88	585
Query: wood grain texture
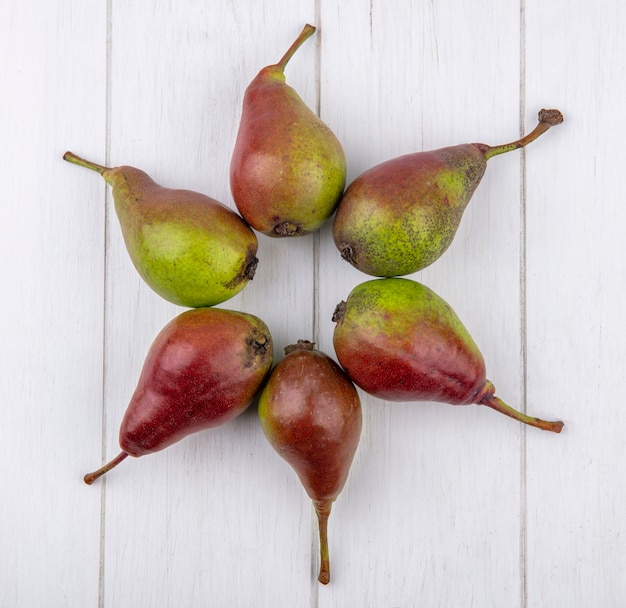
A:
52	264
576	334
445	506
421	517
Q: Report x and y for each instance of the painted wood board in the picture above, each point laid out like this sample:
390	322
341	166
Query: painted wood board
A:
445	506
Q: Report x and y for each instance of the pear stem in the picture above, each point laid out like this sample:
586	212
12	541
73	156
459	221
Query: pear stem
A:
305	34
547	119
77	160
91	477
322	508
300	345
497	404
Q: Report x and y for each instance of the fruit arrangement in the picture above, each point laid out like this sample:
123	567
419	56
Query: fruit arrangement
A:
394	338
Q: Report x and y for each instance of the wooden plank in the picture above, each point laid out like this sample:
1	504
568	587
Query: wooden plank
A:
52	60
576	265
431	512
444	506
218	517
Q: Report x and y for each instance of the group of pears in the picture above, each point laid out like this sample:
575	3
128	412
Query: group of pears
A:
394	338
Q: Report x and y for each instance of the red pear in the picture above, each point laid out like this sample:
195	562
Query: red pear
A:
399	341
401	215
311	415
204	368
288	169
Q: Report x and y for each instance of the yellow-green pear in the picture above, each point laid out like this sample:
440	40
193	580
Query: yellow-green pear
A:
401	215
189	248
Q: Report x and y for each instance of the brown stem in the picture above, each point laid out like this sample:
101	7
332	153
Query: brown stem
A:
300	345
497	404
547	119
77	160
251	265
306	33
91	477
287	229
322	509
340	311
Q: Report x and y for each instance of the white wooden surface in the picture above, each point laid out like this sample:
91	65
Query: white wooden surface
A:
447	507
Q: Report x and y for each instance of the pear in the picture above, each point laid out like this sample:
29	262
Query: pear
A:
189	248
288	169
310	413
203	369
401	215
399	341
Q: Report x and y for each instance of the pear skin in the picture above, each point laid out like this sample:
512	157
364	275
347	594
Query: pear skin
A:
189	248
401	215
310	413
288	169
399	341
203	369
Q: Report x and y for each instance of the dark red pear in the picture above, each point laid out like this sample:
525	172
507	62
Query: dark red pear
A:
399	341
401	215
288	169
204	368
311	415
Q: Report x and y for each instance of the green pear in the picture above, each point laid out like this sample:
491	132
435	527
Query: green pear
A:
401	215
189	248
400	341
288	169
310	413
